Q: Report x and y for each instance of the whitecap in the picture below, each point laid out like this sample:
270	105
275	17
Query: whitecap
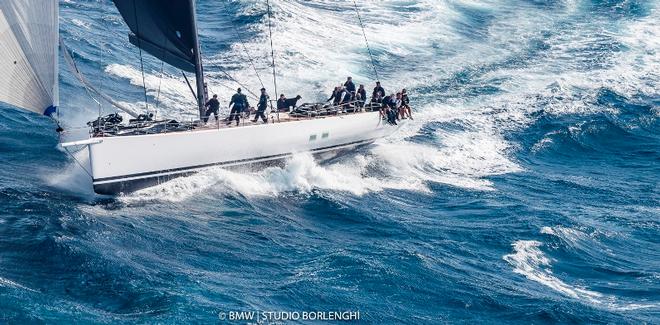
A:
11	284
529	260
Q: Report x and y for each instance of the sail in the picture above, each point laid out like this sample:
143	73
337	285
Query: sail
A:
29	33
165	29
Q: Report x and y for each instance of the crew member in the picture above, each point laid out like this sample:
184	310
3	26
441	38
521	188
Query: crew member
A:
213	106
261	107
240	103
281	103
378	94
399	108
350	86
405	104
346	101
389	109
336	96
361	96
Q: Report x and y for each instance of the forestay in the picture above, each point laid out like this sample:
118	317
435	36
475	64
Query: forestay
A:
29	33
90	87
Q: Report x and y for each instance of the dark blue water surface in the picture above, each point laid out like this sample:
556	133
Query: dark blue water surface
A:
525	190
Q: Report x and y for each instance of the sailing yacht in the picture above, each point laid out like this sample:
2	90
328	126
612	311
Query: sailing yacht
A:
143	153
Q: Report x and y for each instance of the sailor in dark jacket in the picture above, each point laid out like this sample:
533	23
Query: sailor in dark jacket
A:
385	102
350	86
281	102
391	109
348	97
261	107
240	103
336	96
404	98
361	96
213	106
392	102
378	94
405	105
388	109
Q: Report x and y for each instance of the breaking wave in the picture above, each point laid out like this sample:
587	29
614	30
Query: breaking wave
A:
531	262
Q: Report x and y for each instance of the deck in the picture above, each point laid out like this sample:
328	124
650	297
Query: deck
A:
169	126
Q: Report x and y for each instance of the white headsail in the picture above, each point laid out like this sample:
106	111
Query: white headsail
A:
29	32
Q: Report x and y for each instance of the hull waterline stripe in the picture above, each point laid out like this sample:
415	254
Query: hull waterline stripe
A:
182	170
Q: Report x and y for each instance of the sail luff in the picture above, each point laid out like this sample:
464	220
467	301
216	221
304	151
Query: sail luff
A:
199	69
56	65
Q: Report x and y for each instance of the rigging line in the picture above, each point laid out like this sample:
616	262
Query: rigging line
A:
256	72
95	100
245	50
79	164
373	63
76	160
272	55
68	58
104	57
236	81
137	30
89	93
189	85
160	81
229	87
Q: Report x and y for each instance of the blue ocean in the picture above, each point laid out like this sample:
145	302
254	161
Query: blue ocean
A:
525	190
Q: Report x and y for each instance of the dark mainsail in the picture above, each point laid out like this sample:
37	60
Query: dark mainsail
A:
168	31
162	28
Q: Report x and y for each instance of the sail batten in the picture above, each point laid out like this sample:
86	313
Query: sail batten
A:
28	54
164	30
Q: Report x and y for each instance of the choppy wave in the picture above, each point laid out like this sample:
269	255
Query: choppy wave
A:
11	284
530	261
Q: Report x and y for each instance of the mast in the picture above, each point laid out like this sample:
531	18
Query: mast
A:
199	69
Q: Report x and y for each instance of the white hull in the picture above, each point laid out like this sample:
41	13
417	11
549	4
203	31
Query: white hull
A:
128	163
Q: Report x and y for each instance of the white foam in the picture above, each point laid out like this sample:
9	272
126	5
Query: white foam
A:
528	260
569	235
548	230
80	23
462	159
300	174
11	284
74	178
